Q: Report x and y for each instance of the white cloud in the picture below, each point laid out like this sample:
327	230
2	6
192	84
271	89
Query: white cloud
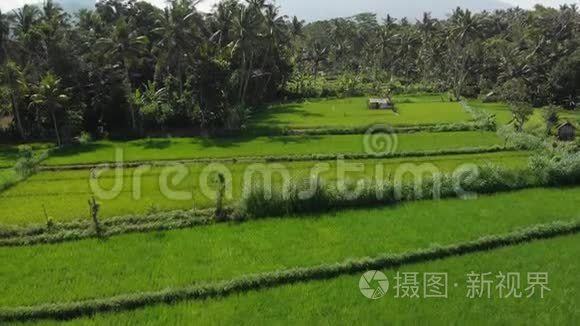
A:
6	5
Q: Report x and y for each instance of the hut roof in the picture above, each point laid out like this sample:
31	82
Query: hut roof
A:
567	123
380	100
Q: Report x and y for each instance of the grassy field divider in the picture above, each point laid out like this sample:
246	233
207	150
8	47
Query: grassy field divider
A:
71	310
481	117
287	158
14	236
434	128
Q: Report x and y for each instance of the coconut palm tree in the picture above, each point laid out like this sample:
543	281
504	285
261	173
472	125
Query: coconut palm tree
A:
297	27
181	29
12	77
464	26
124	47
221	22
50	96
25	19
463	30
244	44
4	36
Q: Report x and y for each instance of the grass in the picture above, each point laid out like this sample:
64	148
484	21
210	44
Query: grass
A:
353	112
154	261
9	154
192	148
339	301
64	194
504	115
6	175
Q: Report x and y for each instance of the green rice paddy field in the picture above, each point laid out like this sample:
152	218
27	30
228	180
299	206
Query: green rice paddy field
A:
6	175
339	301
353	112
192	148
9	153
158	260
153	261
64	194
504	115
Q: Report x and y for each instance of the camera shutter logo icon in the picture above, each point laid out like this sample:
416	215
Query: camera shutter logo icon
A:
373	285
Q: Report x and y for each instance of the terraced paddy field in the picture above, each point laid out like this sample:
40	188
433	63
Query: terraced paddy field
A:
195	148
6	174
297	268
64	194
504	115
344	304
353	112
133	264
9	153
155	261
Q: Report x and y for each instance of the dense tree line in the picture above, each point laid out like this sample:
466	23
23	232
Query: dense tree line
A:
128	68
468	54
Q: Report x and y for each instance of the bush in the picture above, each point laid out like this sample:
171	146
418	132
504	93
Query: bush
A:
85	138
305	86
489	179
557	165
26	164
520	140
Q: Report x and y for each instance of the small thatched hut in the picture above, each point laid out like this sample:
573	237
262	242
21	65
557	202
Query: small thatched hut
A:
381	104
567	132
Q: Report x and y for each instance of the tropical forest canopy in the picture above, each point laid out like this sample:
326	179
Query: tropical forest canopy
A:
127	68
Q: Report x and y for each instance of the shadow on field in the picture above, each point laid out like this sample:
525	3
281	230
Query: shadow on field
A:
221	142
8	154
294	109
153	143
80	149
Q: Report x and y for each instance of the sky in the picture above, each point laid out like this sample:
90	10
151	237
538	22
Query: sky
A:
6	5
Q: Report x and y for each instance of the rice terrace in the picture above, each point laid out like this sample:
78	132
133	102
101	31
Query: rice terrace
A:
227	163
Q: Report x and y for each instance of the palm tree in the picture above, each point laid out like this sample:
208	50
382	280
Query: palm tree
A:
317	55
13	78
50	96
297	27
221	21
463	30
464	27
52	12
387	39
179	29
122	48
276	27
25	19
4	36
245	37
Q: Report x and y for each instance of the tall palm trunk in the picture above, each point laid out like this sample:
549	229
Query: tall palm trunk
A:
55	124
16	111
129	93
242	78
247	79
